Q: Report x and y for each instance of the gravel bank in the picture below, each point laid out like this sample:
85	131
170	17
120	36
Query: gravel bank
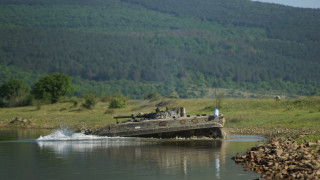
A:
283	160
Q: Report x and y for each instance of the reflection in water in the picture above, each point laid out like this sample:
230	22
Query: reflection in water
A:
65	155
168	155
66	147
146	158
217	165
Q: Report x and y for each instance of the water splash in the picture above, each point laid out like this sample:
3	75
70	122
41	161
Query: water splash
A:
63	141
67	135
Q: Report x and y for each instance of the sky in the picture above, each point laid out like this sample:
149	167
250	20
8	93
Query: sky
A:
295	3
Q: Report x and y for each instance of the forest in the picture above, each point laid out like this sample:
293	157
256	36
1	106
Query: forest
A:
134	47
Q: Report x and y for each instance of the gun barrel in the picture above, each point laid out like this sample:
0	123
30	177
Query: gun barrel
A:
134	117
119	117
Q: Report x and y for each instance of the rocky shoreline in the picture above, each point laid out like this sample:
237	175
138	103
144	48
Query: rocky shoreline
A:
272	133
283	160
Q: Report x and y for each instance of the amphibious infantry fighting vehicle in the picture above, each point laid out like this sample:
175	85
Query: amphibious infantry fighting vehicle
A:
170	123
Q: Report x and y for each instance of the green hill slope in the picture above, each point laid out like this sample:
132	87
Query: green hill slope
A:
185	46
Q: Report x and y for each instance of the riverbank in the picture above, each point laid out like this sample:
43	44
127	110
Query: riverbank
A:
302	113
286	154
267	117
283	160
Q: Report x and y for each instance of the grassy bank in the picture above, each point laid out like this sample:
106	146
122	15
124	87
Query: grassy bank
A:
294	114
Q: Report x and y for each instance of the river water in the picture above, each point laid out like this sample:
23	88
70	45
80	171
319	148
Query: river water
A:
61	154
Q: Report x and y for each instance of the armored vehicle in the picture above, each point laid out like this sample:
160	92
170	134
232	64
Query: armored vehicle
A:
170	123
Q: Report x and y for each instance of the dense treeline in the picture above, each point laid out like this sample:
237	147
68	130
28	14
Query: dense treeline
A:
138	46
15	92
280	22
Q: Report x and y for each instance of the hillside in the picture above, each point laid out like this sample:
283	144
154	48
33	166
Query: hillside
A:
137	46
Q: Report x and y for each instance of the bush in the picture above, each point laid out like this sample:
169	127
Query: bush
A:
21	101
90	101
118	102
17	101
14	93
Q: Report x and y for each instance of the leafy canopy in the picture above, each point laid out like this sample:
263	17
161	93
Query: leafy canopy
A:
52	86
13	88
14	93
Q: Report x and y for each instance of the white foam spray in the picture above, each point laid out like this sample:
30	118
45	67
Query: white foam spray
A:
63	141
67	135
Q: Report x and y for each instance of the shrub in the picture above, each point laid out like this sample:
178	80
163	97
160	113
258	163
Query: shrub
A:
118	102
90	101
20	101
14	93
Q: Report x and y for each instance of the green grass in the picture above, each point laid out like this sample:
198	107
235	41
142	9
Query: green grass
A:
239	113
310	138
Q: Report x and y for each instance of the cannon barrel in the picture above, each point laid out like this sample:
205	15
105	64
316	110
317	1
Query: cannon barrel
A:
133	116
120	117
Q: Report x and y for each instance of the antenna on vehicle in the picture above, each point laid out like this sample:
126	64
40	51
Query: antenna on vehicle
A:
215	94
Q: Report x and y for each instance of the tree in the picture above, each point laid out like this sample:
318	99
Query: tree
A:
13	93
52	86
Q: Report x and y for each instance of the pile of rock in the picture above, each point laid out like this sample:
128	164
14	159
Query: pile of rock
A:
286	160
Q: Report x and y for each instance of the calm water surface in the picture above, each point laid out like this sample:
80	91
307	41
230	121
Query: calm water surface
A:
25	154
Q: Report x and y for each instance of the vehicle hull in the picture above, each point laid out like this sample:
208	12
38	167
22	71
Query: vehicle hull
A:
208	126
